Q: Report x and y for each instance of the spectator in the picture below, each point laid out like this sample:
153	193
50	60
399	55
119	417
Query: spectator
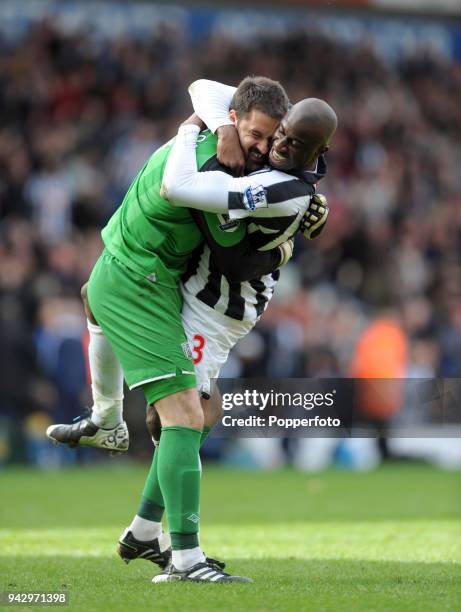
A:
81	113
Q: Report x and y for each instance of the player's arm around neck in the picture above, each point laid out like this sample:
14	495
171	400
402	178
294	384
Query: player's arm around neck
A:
183	185
211	101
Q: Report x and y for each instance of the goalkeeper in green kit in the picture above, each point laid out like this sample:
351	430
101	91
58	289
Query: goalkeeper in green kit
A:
135	298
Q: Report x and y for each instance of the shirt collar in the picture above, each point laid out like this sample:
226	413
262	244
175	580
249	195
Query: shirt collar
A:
312	176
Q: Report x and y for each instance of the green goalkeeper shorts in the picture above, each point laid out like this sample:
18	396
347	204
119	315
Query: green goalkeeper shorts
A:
142	321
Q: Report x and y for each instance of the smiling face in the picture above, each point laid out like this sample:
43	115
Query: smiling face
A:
294	147
255	130
304	134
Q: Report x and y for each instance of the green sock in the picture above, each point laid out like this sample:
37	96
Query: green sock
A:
178	471
152	505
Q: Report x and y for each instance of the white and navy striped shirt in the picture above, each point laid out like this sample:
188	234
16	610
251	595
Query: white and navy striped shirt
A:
287	197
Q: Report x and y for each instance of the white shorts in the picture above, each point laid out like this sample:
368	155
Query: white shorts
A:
211	336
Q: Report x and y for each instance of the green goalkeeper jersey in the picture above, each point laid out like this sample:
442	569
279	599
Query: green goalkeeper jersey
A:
147	233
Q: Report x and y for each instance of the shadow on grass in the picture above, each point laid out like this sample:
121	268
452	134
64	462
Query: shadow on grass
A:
100	583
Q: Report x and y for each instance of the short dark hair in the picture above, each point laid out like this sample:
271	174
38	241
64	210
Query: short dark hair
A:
260	93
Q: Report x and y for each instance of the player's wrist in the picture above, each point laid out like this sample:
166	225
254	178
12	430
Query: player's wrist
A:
217	125
226	129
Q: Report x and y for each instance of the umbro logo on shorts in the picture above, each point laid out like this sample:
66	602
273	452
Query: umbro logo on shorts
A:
194	518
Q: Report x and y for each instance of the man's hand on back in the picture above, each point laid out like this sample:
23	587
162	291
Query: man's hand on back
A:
229	151
315	217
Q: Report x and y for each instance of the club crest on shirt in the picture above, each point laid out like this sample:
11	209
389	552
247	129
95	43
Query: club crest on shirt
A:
255	197
187	350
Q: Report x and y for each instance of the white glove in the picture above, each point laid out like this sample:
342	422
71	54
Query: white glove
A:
286	251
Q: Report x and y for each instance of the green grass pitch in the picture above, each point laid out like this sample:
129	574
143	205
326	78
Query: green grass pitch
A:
389	540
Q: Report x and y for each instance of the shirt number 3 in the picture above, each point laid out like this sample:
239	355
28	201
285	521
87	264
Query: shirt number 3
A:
199	344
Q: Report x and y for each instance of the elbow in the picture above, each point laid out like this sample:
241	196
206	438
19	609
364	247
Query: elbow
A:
170	192
194	84
198	82
164	192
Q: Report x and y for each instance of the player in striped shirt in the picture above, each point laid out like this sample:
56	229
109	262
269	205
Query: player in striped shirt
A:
218	311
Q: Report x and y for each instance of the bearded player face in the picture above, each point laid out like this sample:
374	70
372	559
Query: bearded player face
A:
255	130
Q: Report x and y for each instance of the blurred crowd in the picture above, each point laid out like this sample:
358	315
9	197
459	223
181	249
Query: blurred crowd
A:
78	118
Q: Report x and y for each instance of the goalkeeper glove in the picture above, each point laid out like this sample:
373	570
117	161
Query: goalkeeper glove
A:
315	217
286	251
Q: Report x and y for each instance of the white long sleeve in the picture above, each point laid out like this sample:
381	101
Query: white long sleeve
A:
267	193
184	186
211	101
